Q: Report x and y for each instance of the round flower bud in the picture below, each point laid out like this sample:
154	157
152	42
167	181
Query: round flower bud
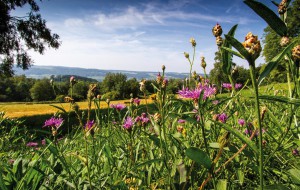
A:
296	53
186	55
158	78
217	30
203	63
163	67
284	41
252	44
193	42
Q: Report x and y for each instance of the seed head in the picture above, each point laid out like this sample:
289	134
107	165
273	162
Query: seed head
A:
217	30
252	44
186	55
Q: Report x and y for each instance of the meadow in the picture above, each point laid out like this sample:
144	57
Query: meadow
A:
247	138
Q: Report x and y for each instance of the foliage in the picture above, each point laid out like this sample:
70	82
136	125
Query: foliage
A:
19	33
42	90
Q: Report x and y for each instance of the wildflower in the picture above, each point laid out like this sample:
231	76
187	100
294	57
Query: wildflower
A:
222	117
89	125
238	86
72	80
295	152
252	45
203	63
227	86
99	96
164	83
32	144
181	121
282	7
128	123
136	101
11	161
43	142
219	41
142	85
163	67
217	30
241	122
54	122
193	42
296	53
215	102
195	94
118	106
179	128
142	120
158	79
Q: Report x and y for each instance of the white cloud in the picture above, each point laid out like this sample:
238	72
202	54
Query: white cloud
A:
74	22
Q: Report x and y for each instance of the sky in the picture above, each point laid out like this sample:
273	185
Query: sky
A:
140	35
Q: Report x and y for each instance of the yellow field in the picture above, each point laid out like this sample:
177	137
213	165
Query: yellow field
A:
15	110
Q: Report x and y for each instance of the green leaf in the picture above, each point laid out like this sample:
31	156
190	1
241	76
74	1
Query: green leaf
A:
227	56
2	185
295	175
272	64
240	136
233	52
199	157
148	163
58	107
222	184
276	187
282	99
269	16
239	46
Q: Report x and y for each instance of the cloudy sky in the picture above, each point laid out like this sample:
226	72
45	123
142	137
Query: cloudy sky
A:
141	35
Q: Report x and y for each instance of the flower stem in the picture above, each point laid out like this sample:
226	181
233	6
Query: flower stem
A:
257	110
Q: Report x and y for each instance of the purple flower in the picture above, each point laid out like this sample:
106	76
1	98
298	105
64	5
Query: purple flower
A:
136	101
227	86
247	132
118	106
195	94
89	125
215	102
128	123
32	144
143	119
238	86
53	122
181	121
295	152
44	142
241	122
222	117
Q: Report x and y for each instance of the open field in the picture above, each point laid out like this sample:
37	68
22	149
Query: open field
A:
16	110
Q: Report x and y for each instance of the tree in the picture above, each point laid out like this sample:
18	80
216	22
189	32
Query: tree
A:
271	40
114	83
19	32
42	91
216	75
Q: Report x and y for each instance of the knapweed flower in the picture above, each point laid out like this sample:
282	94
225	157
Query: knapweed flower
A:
193	42
241	122
181	121
186	55
252	45
118	106
43	142
195	94
203	62
137	101
142	120
282	7
295	152
215	102
128	123
158	79
32	144
54	122
227	86
89	125
217	30
238	86
72	80
222	117
164	83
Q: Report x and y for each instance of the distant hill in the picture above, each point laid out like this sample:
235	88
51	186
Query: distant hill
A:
97	74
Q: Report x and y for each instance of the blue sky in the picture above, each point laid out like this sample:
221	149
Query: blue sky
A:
141	35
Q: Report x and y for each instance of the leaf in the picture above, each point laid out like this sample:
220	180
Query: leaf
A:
222	184
295	175
272	64
2	185
226	56
276	187
269	16
239	46
233	52
199	157
148	163
58	107
280	99
240	136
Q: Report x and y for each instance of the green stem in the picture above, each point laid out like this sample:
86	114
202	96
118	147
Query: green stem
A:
87	161
257	110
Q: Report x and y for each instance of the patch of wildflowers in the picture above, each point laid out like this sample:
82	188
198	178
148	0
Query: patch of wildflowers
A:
195	93
54	122
118	106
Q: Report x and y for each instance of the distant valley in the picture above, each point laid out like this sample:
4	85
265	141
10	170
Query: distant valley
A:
97	74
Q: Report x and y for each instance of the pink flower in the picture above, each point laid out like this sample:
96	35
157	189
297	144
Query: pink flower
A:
238	86
44	142
118	106
128	123
222	117
32	144
181	121
195	94
143	119
89	125
227	86
295	152
241	122
53	122
136	101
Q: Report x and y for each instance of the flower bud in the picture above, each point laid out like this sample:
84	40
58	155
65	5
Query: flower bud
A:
193	42
186	55
296	53
157	117
284	41
203	63
142	85
282	7
163	67
217	30
252	45
164	83
219	41
158	79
